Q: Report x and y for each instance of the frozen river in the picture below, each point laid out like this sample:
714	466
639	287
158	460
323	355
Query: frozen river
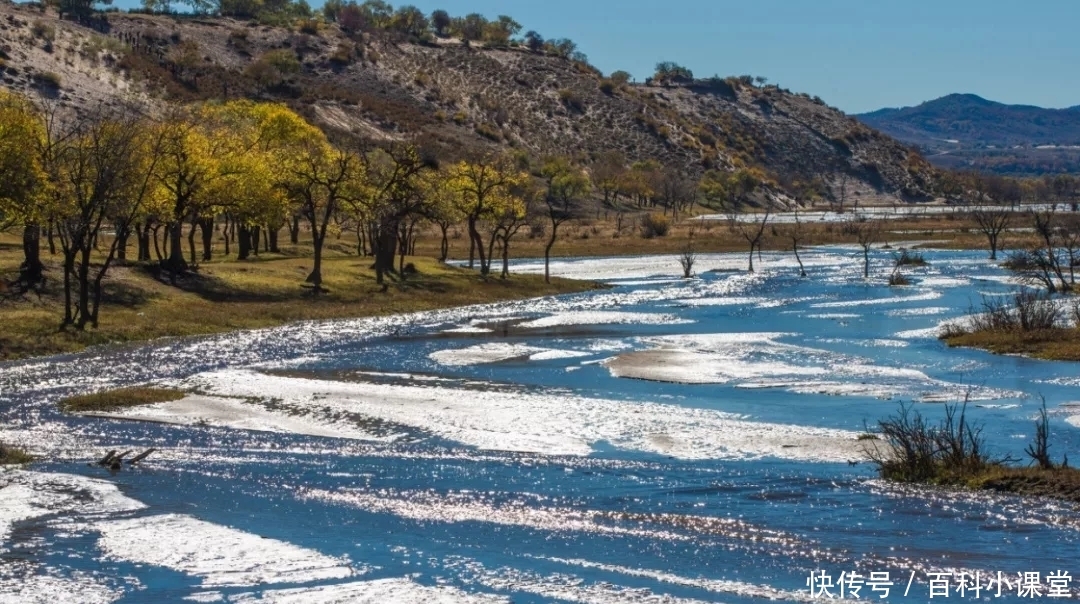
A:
664	440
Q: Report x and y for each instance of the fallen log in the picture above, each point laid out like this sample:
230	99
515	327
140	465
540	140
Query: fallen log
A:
141	456
108	457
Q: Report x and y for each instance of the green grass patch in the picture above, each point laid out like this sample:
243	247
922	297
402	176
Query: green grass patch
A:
111	400
14	456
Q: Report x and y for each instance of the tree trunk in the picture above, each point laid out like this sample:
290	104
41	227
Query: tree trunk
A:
255	231
191	243
243	242
142	235
294	230
444	247
505	257
175	262
32	271
866	262
272	239
795	248
122	234
547	252
751	269
52	241
207	227
315	277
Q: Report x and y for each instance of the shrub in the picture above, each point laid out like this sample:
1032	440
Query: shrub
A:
47	79
607	86
488	131
654	225
571	100
421	79
13	455
43	30
898	278
309	26
918	451
460	118
343	54
909	258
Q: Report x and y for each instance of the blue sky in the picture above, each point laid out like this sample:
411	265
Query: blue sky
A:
858	55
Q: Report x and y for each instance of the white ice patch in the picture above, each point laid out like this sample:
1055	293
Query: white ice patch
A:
939	281
495	352
219	555
931	295
237	414
757	360
601	317
550	423
724	301
918	312
834	315
468	329
381	591
47	589
27	495
1074	420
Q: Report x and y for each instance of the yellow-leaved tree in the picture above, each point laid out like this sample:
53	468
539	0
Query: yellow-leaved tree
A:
485	189
22	181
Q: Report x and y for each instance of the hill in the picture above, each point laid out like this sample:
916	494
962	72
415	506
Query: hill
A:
968	131
455	97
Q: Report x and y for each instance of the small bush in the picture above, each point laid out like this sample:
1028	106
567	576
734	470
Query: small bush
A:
571	100
897	278
654	225
43	30
47	79
309	26
909	258
343	54
13	455
421	79
607	86
460	118
915	450
117	399
489	131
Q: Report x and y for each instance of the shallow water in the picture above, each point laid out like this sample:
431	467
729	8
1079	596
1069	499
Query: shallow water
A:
660	441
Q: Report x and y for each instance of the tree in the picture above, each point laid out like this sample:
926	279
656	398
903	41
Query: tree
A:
394	192
608	174
992	217
410	20
796	234
734	191
472	27
102	173
620	77
378	13
499	31
567	186
668	72
443	208
440	21
867	231
563	47
23	147
534	41
485	187
319	178
688	257
677	191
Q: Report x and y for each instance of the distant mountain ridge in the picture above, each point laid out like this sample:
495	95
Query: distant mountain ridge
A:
968	131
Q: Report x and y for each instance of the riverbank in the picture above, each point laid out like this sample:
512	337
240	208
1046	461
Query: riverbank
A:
231	295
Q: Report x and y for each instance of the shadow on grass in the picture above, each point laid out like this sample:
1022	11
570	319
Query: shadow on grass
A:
215	289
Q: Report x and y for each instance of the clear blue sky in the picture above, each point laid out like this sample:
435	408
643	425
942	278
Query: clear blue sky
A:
858	55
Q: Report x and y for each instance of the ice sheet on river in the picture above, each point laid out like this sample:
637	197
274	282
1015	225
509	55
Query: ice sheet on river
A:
758	360
552	423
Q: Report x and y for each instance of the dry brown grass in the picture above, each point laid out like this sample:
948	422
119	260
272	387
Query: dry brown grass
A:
1058	344
1059	483
13	456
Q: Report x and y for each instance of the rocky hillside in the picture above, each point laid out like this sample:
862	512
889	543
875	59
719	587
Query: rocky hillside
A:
968	131
455	98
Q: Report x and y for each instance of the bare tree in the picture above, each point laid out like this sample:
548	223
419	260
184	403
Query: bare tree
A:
796	235
992	222
867	232
688	257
